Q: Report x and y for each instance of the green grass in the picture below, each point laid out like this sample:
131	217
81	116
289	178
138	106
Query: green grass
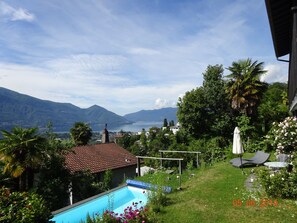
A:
209	196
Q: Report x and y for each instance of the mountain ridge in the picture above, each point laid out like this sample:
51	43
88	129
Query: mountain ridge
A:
22	110
18	109
154	115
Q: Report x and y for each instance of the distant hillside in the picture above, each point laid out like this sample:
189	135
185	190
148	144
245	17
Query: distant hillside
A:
22	110
157	115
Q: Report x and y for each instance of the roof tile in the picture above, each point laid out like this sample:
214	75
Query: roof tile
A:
99	157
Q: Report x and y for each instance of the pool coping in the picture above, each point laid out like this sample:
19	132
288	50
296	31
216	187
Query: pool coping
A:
88	199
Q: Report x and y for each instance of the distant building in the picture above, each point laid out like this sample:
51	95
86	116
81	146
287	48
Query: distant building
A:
118	136
105	135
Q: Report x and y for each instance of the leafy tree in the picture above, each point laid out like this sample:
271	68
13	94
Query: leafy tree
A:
22	151
273	106
244	86
182	137
219	115
54	177
192	112
205	110
171	123
165	123
143	144
53	183
81	133
84	185
5	179
213	86
129	142
124	141
247	129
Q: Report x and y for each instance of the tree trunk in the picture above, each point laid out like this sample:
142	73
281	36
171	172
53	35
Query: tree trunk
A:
22	182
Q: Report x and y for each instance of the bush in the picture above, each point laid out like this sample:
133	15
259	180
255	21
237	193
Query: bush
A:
212	150
84	185
22	207
280	184
157	199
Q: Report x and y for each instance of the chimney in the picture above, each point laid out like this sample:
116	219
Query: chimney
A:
105	135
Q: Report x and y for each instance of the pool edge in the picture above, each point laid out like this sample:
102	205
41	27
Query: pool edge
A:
86	200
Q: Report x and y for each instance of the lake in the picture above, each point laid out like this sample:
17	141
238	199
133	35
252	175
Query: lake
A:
136	127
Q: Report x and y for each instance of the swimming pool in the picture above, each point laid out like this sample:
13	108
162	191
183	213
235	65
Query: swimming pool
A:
116	200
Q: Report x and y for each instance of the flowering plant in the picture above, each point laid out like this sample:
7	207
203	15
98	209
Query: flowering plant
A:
280	184
283	135
132	214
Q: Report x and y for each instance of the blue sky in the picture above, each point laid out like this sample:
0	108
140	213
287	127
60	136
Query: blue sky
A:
127	55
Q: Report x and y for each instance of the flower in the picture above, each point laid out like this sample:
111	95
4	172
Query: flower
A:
283	135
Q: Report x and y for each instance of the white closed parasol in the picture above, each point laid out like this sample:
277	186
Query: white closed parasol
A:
237	145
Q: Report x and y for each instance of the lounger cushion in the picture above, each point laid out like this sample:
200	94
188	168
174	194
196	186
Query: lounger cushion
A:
259	158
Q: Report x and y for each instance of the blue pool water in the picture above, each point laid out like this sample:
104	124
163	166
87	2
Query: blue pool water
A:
117	200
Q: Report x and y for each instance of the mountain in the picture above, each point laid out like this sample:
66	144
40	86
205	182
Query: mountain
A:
22	110
157	115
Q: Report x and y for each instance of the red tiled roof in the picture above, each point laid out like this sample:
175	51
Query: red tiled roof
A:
99	157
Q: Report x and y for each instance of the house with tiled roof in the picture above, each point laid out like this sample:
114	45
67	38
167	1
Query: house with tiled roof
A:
101	157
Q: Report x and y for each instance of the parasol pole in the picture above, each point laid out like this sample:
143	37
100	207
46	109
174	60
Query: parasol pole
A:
241	167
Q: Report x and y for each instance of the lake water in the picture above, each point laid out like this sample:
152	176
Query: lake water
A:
136	127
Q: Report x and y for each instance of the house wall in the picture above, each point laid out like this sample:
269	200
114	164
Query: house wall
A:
121	174
293	64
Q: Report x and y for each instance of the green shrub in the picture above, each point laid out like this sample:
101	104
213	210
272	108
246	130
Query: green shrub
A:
280	184
212	150
22	207
157	199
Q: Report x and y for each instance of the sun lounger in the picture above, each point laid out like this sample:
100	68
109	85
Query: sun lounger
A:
258	159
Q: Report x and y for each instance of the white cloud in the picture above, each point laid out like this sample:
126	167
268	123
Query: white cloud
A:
161	103
22	14
276	72
14	14
123	56
84	90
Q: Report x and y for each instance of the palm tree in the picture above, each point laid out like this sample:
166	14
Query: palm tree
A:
244	86
21	152
81	133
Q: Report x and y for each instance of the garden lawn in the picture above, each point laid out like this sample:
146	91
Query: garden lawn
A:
218	194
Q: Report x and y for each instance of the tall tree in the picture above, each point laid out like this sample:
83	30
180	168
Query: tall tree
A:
205	110
192	112
213	86
274	105
81	133
54	177
244	86
165	122
217	100
22	151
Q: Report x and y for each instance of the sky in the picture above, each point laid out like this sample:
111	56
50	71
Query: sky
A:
128	55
